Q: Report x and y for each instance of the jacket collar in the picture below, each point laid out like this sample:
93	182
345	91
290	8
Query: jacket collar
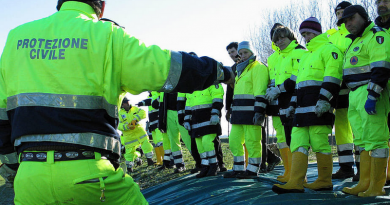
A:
317	42
290	47
378	21
79	7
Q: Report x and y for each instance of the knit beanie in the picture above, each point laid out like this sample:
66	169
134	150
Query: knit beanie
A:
311	25
342	5
246	45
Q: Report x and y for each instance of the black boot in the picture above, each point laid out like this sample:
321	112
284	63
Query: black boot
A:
150	161
247	175
232	174
166	165
222	168
138	161
272	160
344	172
203	172
213	170
263	168
130	170
196	169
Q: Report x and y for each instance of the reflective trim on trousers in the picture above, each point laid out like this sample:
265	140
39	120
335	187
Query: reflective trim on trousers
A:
177	153
346	159
174	72
86	139
282	145
301	110
254	160
303	150
205	162
149	155
3	114
211	153
356	70
202	124
252	168
178	161
243	97
168	152
239	159
238	167
11	158
344	147
308	83
380	153
213	160
203	155
243	108
62	101
167	158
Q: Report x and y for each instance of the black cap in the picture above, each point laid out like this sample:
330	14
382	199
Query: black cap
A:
276	25
125	100
352	10
342	5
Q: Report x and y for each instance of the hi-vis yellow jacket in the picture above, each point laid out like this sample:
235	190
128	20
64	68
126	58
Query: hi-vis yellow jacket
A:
125	118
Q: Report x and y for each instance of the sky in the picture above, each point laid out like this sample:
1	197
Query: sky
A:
205	27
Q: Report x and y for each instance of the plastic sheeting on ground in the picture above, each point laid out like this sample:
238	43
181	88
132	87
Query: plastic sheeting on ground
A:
217	190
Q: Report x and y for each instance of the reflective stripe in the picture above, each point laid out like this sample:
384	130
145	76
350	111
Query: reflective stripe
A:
294	99
11	158
254	160
188	117
196	107
217	100
380	153
252	168
167	158
243	97
167	152
357	84
330	79
143	136
293	77
178	161
282	88
260	104
210	153
274	102
344	91
125	127
86	139
344	147
177	153
149	155
238	167
308	83
374	87
301	110
205	162
356	70
239	159
346	159
326	93
127	143
203	155
213	160
303	150
181	112
3	114
282	145
272	84
174	73
61	101
202	124
215	111
153	111
154	122
188	108
283	111
137	116
181	98
382	64
159	144
243	108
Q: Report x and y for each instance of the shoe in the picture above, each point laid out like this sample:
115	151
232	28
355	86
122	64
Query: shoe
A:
166	165
271	166
263	168
213	171
138	161
377	178
130	170
364	178
324	180
222	168
196	170
247	175
180	169
203	173
232	174
343	174
150	161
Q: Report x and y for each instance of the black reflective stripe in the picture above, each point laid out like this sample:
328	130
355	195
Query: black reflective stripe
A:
174	74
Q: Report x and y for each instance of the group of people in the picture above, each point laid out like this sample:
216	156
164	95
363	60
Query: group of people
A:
58	121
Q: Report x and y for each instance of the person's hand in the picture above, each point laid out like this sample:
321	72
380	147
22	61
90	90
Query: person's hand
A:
140	104
370	105
272	93
258	119
290	112
214	120
322	106
187	126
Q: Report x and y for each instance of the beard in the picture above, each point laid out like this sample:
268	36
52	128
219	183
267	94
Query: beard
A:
383	11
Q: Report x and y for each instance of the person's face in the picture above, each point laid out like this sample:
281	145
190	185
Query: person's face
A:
126	106
245	54
354	24
308	36
283	42
233	54
339	13
383	7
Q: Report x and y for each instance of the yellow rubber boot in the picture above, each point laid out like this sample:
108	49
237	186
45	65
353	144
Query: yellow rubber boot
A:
246	156
388	170
377	178
324	180
297	175
286	155
159	155
364	179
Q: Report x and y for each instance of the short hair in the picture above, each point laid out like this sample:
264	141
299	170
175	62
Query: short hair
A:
232	45
95	4
283	32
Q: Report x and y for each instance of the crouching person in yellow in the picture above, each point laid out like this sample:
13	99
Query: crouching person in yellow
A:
248	113
202	120
366	72
318	84
133	134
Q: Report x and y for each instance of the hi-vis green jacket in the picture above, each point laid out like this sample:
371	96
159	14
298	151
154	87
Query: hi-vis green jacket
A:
249	93
286	70
62	77
200	105
153	112
339	38
125	118
319	77
367	60
272	108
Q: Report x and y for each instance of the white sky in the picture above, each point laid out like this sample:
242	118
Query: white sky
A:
203	26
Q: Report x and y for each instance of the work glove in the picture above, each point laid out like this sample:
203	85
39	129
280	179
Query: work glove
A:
370	105
290	112
187	126
214	120
322	107
140	104
8	174
272	93
258	119
132	124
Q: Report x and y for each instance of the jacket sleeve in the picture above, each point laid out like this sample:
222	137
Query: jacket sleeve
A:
122	123
333	59
379	57
181	106
289	84
139	114
146	102
145	68
188	110
216	93
260	83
